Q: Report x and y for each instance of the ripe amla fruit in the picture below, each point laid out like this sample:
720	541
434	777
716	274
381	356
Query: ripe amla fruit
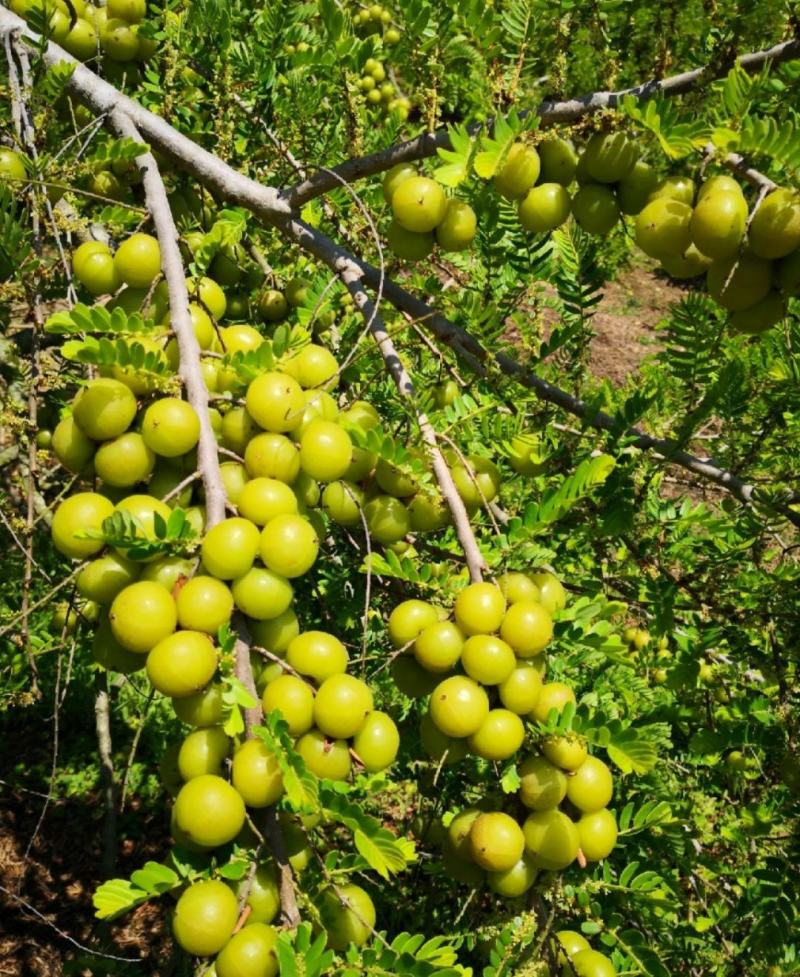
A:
77	514
208	811
419	204
551	838
104	409
256	774
348	915
205	916
496	841
609	156
249	953
775	228
518	173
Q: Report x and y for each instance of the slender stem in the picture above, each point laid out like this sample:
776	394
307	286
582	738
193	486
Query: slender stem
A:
107	778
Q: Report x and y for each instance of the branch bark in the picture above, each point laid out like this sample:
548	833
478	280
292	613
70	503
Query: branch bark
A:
550	113
103	728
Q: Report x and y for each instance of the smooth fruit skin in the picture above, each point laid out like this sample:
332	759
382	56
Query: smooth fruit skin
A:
144	508
71	446
595	208
496	841
343	502
341	706
314	367
527	627
633	192
759	317
690	264
124	461
554	695
256	774
249	953
775	228
203	752
138	260
109	653
105	577
387	519
591	786
208	295
272	456
204	604
94	268
517	587
263	499
437	745
264	898
488	659
518	173
289	545
499	736
104	409
317	654
543	786
591	963
324	757
544	208
551	839
182	664
663	228
377	742
717	224
293	699
609	156
479	608
438	647
566	752
202	709
750	281
552	595
394	177
77	514
419	204
325	451
515	881
209	811
142	615
458	227
12	166
572	942
521	690
168	571
558	161
204	919
276	633
230	547
351	921
411	678
275	401
409	245
680	188
170	427
459	706
262	594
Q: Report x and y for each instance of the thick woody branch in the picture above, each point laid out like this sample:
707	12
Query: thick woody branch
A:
550	113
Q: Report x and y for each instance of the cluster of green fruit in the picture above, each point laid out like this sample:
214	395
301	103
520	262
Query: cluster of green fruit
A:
751	260
380	92
577	957
493	649
111	29
373	20
423	216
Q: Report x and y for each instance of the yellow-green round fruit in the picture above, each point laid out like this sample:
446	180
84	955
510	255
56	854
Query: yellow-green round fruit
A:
479	608
551	839
477	481
105	577
264	897
663	228
459	706
426	515
263	499
633	192
207	294
124	461
94	268
419	204
759	317
325	451
209	811
598	834
249	953
542	785
314	366
71	446
553	695
377	742
104	409
230	547
411	678
499	736
609	156
256	774
739	282
515	881
343	502
272	305
394	177
518	587
438	647
718	224
77	514
527	627
558	160
202	709
170	427
341	706
409	245
138	260
109	653
289	545
458	227
204	604
721	183
317	654
518	173
240	338
272	456
348	915
552	595
275	401
544	208
595	208
262	594
690	264
487	659
12	165
680	188
521	690
205	916
324	757
387	519
591	786
293	699
142	615
182	664
203	752
496	841
275	633
566	752
775	228
592	963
